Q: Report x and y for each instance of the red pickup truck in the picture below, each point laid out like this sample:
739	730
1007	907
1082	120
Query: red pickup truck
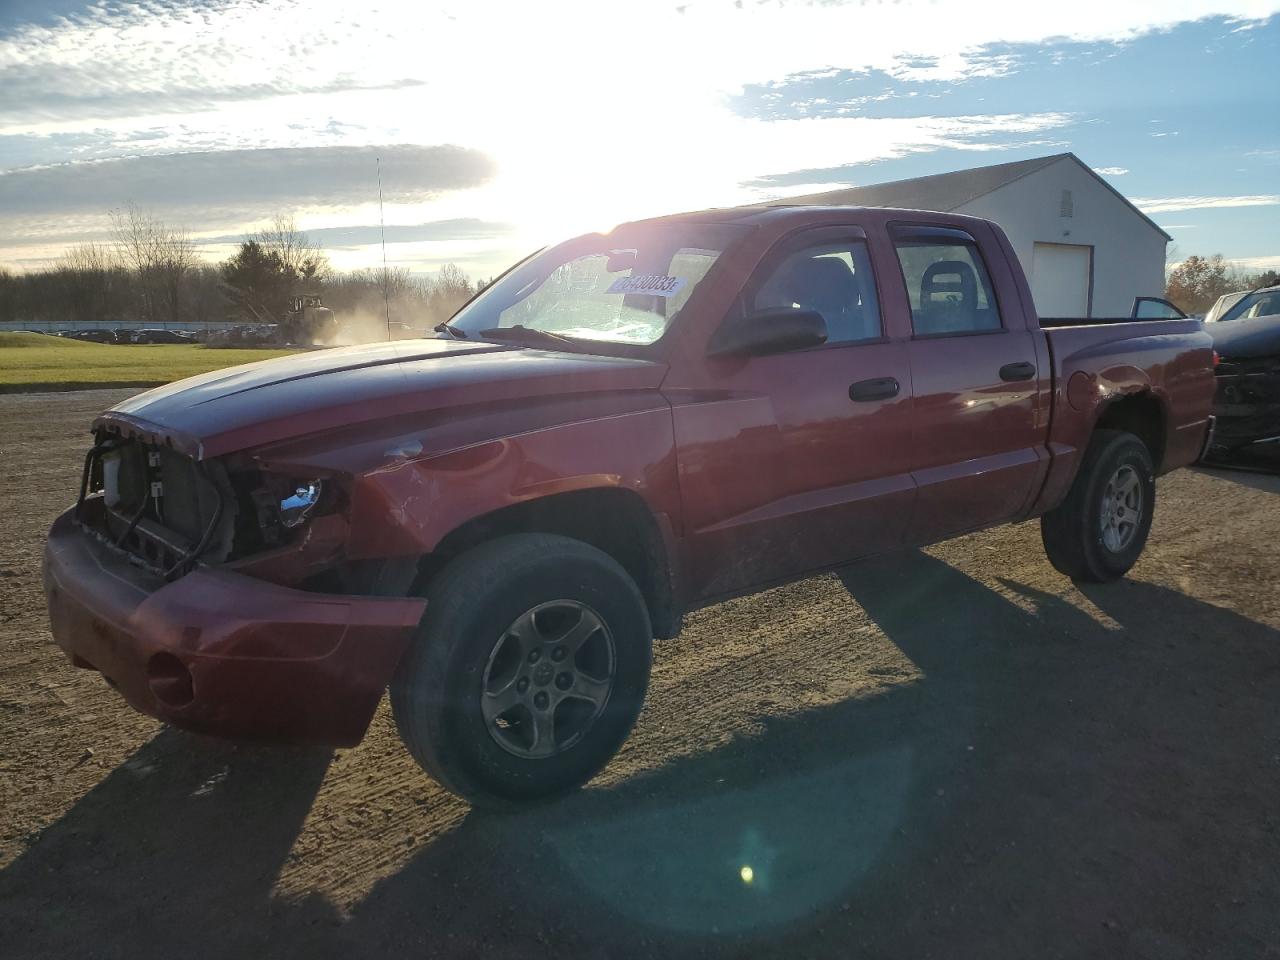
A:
622	428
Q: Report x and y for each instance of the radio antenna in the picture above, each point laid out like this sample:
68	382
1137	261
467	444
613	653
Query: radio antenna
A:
382	224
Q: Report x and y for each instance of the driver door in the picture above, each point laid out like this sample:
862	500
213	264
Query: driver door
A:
796	461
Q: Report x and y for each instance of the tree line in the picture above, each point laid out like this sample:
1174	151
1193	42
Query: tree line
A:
152	273
1197	282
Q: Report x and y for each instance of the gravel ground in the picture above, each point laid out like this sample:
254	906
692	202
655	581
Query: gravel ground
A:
953	753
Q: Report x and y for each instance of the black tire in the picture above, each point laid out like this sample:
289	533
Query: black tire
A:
1075	534
473	606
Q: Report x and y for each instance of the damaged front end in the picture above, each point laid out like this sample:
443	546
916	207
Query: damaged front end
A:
1247	401
213	594
1247	404
166	511
157	506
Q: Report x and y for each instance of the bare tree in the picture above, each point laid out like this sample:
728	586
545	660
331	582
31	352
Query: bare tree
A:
397	282
10	291
90	258
158	254
450	290
203	296
300	257
92	282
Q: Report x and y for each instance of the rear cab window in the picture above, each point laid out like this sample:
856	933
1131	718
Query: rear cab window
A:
947	282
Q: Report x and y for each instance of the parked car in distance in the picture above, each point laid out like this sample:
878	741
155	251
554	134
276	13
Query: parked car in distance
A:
162	336
92	336
244	335
1245	305
622	428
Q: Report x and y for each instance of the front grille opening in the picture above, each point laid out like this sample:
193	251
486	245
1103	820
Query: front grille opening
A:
161	507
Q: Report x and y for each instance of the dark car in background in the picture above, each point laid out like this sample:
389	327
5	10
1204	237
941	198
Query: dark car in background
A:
92	336
1245	305
162	336
244	335
1246	338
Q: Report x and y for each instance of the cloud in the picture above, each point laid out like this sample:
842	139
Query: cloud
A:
251	182
462	228
1172	204
1256	263
227	110
115	60
920	135
1111	171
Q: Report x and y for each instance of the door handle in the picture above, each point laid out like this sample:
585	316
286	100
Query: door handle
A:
879	388
1017	371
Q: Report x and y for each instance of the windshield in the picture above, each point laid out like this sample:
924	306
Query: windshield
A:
625	287
1264	303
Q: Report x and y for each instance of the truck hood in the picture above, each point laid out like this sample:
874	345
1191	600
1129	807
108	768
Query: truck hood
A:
244	407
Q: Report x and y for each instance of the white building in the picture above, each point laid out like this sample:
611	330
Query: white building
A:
1087	251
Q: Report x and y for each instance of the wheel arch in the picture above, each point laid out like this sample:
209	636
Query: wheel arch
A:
1142	413
615	520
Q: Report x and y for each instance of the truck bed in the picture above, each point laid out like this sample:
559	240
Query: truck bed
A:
1096	363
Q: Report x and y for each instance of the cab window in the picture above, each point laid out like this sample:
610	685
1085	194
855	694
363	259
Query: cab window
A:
833	279
947	282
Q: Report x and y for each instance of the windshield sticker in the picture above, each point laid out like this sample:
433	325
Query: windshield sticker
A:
654	286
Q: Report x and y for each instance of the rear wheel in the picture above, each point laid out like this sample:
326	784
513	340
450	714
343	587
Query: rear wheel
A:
1098	532
528	671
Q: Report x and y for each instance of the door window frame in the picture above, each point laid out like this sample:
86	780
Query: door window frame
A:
1137	309
926	231
793	242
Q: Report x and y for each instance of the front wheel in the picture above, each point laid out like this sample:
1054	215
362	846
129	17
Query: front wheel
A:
528	671
1098	532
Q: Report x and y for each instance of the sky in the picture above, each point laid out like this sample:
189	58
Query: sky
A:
497	126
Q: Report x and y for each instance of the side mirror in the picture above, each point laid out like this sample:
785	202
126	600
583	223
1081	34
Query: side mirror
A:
772	330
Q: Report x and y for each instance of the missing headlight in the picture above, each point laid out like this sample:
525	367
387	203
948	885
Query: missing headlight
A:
295	508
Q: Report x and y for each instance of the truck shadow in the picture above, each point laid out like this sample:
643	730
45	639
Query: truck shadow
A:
1258	476
1042	778
187	833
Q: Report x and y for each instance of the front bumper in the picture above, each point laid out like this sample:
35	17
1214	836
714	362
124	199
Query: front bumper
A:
223	653
1247	408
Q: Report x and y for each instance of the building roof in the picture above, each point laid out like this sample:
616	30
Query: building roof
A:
946	192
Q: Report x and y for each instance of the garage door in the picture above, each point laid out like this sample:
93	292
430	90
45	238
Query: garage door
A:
1060	279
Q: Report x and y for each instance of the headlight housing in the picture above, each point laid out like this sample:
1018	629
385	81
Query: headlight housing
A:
285	504
294	509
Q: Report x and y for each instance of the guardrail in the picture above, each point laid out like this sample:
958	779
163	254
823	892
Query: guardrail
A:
53	326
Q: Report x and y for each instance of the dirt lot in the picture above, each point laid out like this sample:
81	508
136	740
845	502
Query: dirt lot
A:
954	754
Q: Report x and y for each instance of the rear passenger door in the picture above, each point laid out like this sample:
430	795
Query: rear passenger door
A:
974	373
